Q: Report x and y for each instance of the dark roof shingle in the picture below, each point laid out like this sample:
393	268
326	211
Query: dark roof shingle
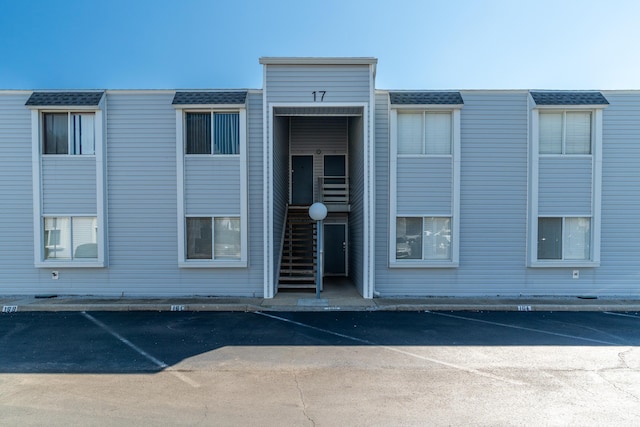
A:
65	98
426	98
569	98
194	98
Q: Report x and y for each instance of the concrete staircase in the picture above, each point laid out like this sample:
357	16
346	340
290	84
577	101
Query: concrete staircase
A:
298	263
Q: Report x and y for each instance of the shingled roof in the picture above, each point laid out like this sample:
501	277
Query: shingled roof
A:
426	98
569	98
194	98
65	98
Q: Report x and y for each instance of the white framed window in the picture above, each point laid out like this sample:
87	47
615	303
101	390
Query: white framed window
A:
211	132
68	133
424	132
564	238
211	142
423	239
213	238
70	238
564	214
67	142
565	132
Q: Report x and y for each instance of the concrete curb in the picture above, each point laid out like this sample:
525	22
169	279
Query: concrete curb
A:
71	304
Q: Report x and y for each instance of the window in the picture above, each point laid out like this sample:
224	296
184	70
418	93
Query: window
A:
215	238
70	238
424	132
423	238
564	238
212	133
565	132
69	133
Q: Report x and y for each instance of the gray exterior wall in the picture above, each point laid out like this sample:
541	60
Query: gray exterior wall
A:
309	134
431	178
17	273
296	83
356	193
141	195
565	186
212	185
141	211
280	160
494	135
69	185
620	242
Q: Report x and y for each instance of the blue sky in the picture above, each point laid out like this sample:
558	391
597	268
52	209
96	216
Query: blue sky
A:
444	44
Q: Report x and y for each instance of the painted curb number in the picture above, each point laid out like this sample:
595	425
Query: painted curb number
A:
177	308
524	308
9	308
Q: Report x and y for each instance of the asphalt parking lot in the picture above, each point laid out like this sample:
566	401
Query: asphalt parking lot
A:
310	368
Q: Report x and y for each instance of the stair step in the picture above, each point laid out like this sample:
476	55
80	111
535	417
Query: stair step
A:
297	279
296	286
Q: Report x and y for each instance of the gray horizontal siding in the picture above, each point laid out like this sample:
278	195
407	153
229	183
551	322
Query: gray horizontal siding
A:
564	186
280	158
383	276
251	280
620	241
493	174
17	273
69	185
212	185
309	134
424	186
295	83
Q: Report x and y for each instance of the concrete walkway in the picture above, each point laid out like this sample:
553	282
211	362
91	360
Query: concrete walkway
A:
308	302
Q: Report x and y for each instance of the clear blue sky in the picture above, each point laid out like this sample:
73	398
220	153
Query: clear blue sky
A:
440	44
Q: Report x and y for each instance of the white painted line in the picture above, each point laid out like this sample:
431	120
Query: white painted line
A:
397	350
621	314
159	363
522	328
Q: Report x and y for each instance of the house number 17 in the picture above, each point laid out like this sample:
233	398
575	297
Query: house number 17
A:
318	95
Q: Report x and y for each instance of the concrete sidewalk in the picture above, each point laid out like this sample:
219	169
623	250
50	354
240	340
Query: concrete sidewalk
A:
307	302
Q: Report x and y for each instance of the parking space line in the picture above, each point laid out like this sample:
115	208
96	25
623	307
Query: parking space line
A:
522	328
621	314
396	350
159	363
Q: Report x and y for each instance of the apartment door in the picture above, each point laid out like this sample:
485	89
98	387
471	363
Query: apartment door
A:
301	180
335	249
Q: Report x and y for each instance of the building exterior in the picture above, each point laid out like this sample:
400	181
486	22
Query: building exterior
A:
430	193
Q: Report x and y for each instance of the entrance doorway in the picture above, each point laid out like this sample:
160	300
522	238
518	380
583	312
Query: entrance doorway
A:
301	180
335	249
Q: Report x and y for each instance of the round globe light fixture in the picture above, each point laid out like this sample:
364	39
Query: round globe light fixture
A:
318	211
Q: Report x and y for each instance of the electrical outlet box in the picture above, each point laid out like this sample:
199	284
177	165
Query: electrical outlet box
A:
54	275
576	274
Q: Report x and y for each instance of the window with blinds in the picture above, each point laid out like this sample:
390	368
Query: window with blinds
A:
212	133
565	132
424	133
